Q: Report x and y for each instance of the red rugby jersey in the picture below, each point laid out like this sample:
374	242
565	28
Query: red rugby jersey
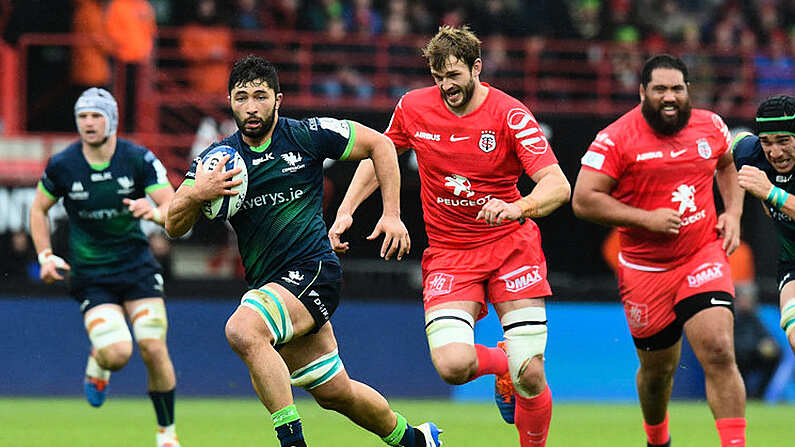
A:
466	160
655	171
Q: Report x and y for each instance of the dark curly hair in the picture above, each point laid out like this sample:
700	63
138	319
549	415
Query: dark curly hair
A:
253	68
662	61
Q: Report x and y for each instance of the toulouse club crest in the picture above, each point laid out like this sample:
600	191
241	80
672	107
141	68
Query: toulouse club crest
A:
703	148
488	141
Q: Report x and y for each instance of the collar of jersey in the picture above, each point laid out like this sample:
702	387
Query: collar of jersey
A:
263	147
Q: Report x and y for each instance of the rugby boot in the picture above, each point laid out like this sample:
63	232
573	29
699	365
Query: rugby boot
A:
505	393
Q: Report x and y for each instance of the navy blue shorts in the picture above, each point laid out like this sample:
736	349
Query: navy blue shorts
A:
316	283
786	273
144	282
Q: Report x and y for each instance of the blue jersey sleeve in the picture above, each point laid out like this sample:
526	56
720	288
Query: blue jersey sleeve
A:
746	150
49	183
332	138
154	173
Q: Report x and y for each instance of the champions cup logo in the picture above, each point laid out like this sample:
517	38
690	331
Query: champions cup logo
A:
704	274
438	284
522	278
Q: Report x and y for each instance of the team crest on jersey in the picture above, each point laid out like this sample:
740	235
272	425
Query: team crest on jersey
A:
126	185
292	160
488	141
703	148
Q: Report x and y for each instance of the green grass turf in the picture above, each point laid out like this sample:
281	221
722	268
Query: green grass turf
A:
244	422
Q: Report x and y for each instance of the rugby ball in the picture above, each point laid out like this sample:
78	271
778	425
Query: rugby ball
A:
225	206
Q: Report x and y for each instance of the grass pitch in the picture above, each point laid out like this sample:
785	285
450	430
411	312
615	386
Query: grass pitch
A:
240	422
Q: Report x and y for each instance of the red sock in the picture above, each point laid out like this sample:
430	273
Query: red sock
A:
657	434
731	432
490	361
532	418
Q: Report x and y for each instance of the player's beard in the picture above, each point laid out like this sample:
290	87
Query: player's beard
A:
663	125
258	133
466	94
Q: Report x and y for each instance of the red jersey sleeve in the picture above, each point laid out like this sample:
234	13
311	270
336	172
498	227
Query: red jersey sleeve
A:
604	155
529	142
724	130
395	130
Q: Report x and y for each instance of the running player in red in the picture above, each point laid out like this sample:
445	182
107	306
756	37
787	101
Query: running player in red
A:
650	174
472	143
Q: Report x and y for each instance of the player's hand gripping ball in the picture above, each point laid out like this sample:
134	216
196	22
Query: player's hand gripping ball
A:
226	206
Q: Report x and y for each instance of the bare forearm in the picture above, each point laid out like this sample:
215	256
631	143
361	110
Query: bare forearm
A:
603	209
182	213
363	184
40	230
547	196
730	190
388	173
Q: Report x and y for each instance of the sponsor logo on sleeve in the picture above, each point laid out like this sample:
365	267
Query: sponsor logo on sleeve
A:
593	159
339	126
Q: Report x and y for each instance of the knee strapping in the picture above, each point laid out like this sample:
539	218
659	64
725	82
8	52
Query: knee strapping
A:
525	338
273	310
149	321
445	326
318	372
106	326
788	316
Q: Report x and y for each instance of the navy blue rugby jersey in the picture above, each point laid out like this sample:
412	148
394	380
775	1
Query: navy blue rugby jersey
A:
747	150
281	219
104	238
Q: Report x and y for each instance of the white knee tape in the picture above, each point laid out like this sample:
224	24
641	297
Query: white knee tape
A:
525	338
149	321
271	307
445	326
318	372
788	316
106	326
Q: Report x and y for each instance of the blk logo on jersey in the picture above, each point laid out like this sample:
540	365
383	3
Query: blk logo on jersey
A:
101	176
637	314
705	273
438	284
460	185
488	141
522	278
